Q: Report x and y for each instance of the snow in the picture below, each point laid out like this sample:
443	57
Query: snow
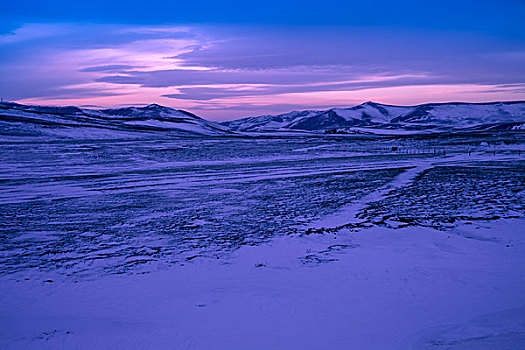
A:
383	289
75	123
367	118
263	243
348	214
375	118
269	122
185	126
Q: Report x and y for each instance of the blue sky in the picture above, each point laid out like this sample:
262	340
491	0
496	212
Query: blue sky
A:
229	59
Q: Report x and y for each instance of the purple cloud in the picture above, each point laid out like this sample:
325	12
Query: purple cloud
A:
245	68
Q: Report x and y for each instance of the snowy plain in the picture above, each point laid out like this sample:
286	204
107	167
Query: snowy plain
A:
282	243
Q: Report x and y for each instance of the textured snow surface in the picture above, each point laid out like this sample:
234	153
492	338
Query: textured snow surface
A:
285	243
411	288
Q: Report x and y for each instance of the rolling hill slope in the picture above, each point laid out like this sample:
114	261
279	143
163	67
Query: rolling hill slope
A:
19	120
371	117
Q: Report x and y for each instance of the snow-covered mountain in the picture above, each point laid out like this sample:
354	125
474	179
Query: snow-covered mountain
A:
373	117
17	119
368	118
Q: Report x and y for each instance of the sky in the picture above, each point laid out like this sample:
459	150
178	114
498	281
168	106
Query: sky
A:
229	59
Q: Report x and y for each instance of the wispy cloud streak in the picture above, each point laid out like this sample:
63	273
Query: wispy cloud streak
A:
247	70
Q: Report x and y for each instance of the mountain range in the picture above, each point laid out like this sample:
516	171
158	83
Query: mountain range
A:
376	118
367	118
17	120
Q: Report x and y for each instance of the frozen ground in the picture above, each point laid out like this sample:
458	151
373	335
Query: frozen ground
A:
263	244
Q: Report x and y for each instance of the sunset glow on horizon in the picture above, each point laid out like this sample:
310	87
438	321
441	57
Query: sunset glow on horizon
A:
231	70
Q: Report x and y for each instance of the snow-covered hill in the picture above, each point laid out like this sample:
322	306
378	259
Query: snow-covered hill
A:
20	120
154	120
373	117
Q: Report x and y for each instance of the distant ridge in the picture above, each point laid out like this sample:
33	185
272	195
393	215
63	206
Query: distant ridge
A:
73	122
153	120
372	117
